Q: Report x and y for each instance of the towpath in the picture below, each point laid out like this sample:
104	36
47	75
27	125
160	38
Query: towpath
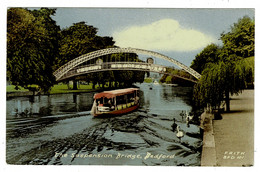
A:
230	141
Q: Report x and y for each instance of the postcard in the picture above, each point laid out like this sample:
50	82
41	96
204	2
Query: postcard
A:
130	86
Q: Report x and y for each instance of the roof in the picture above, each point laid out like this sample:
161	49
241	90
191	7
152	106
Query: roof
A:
114	93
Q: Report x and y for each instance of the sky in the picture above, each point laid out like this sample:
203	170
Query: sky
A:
180	33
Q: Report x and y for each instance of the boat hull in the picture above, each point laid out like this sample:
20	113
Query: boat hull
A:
117	112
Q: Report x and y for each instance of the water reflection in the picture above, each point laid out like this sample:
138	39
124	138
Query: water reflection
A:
45	105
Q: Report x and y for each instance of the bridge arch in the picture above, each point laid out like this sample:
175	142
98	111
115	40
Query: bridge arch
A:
86	57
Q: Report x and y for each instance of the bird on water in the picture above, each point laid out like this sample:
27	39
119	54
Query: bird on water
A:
179	133
182	115
188	118
174	125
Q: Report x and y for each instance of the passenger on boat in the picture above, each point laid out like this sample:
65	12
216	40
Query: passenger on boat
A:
136	100
110	105
116	101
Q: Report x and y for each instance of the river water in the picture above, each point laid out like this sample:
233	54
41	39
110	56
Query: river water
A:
58	129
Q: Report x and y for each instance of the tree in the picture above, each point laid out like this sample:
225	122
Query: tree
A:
53	30
209	91
240	41
168	79
233	69
31	47
139	76
81	39
208	55
75	41
221	79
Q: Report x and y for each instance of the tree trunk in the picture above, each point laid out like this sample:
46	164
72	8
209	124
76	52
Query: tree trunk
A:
227	100
68	85
93	85
75	85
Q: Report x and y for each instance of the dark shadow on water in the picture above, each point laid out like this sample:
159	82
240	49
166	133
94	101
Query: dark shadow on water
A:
106	116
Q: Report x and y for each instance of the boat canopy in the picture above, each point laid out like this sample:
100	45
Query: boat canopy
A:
114	93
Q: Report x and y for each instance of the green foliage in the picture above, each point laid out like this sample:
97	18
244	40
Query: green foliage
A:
148	80
36	47
63	88
240	41
222	76
31	47
208	55
210	88
168	79
80	39
232	69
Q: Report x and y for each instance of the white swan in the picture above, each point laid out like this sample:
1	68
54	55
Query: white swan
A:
179	133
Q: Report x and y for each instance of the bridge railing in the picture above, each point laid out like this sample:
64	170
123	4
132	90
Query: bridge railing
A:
79	70
137	66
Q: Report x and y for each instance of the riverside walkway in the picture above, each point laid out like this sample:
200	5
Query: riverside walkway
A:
230	141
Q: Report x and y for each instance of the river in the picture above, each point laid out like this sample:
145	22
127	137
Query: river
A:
58	129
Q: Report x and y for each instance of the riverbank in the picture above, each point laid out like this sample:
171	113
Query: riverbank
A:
230	141
56	89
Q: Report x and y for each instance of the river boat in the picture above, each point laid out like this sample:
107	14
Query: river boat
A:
115	102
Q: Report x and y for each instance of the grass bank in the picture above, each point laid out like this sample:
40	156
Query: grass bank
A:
56	89
148	80
11	89
63	88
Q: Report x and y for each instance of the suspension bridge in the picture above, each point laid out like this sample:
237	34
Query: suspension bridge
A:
75	67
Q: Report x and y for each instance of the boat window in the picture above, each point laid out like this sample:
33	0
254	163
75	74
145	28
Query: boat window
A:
131	97
105	100
120	100
99	101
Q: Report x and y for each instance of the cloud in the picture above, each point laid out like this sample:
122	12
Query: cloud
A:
166	35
